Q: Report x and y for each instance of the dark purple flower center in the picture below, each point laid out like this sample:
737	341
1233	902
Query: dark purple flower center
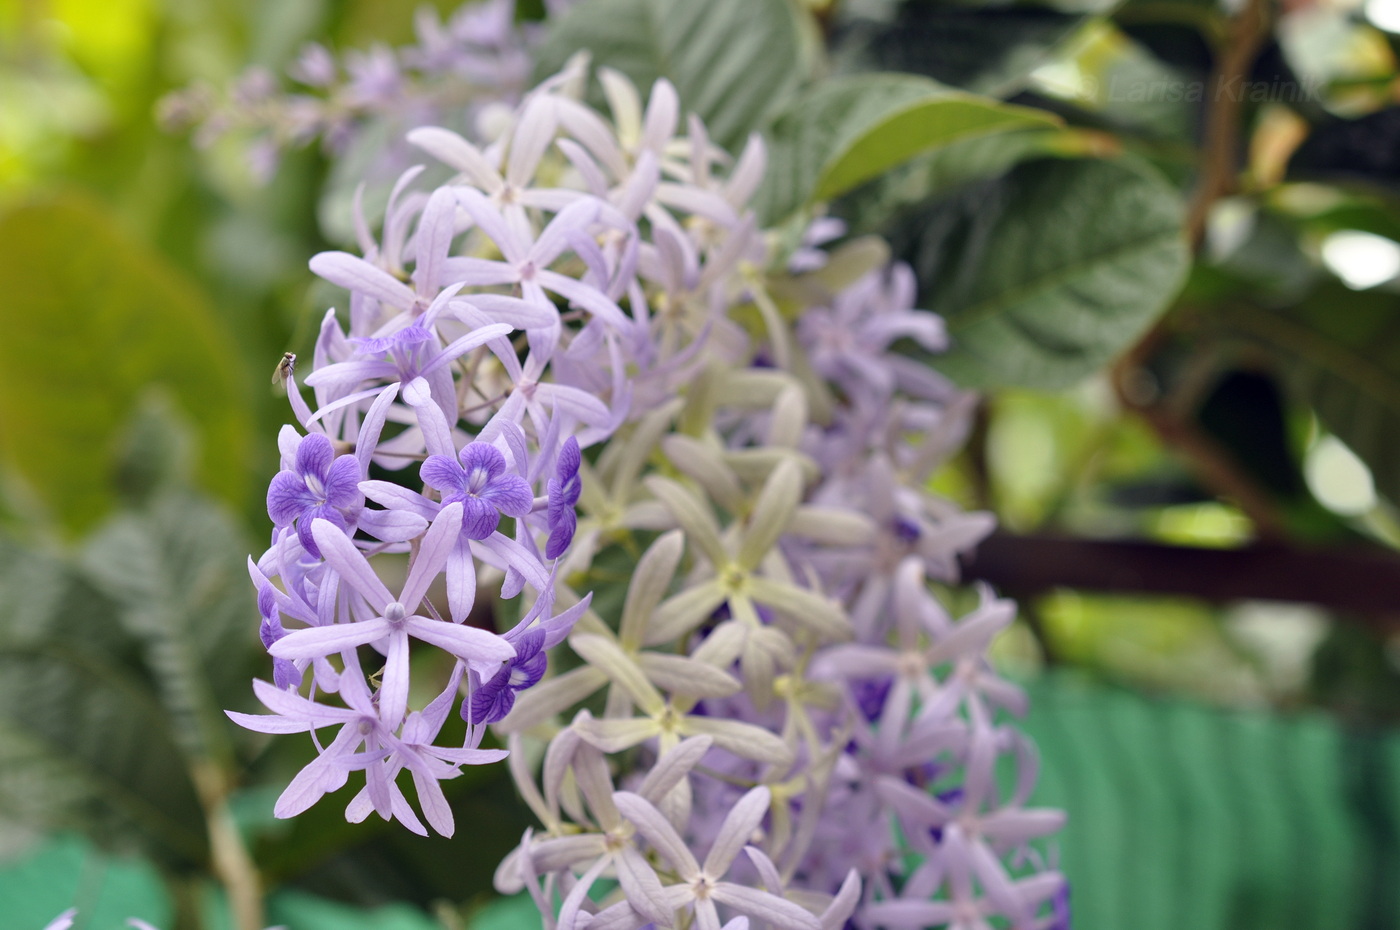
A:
870	695
907	530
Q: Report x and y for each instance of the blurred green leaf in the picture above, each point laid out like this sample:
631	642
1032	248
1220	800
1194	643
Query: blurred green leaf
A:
986	49
93	318
733	61
1047	273
1339	350
846	131
84	744
948	167
174	573
115	665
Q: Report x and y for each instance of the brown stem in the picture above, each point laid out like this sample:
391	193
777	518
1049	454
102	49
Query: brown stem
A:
1220	144
1361	581
1213	466
233	866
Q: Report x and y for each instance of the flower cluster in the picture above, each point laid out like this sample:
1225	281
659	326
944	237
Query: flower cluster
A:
573	350
471	68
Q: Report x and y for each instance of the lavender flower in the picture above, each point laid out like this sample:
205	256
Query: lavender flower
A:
392	623
564	490
781	676
319	485
496	696
479	482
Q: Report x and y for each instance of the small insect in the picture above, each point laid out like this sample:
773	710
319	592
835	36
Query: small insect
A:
285	367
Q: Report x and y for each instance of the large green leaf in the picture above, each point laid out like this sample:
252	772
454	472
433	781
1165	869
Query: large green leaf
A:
1340	352
1047	273
732	61
93	318
949	167
846	131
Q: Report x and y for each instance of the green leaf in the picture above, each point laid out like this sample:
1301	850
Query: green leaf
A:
949	167
846	131
732	61
84	744
1046	274
1339	351
93	317
174	573
987	49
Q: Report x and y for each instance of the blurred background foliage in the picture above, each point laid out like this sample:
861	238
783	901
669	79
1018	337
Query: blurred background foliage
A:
1165	235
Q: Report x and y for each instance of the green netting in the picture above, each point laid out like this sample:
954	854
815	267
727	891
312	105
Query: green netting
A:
1189	817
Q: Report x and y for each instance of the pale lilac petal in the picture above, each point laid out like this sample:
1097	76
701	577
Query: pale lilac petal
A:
393	692
586	166
397	497
901	914
640	884
620	916
658	831
434	803
373	426
392	525
513	311
736	830
359	276
340	553
481	650
309	785
456	152
671	768
432	555
662	115
554	240
63	921
461	581
533	133
266	723
293	705
769	908
585	296
479	272
433	240
470	756
489	220
473	340
697	201
320	641
349	373
505	553
748	173
437	435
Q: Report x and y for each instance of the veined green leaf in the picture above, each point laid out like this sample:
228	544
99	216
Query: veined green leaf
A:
846	131
1047	273
732	61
